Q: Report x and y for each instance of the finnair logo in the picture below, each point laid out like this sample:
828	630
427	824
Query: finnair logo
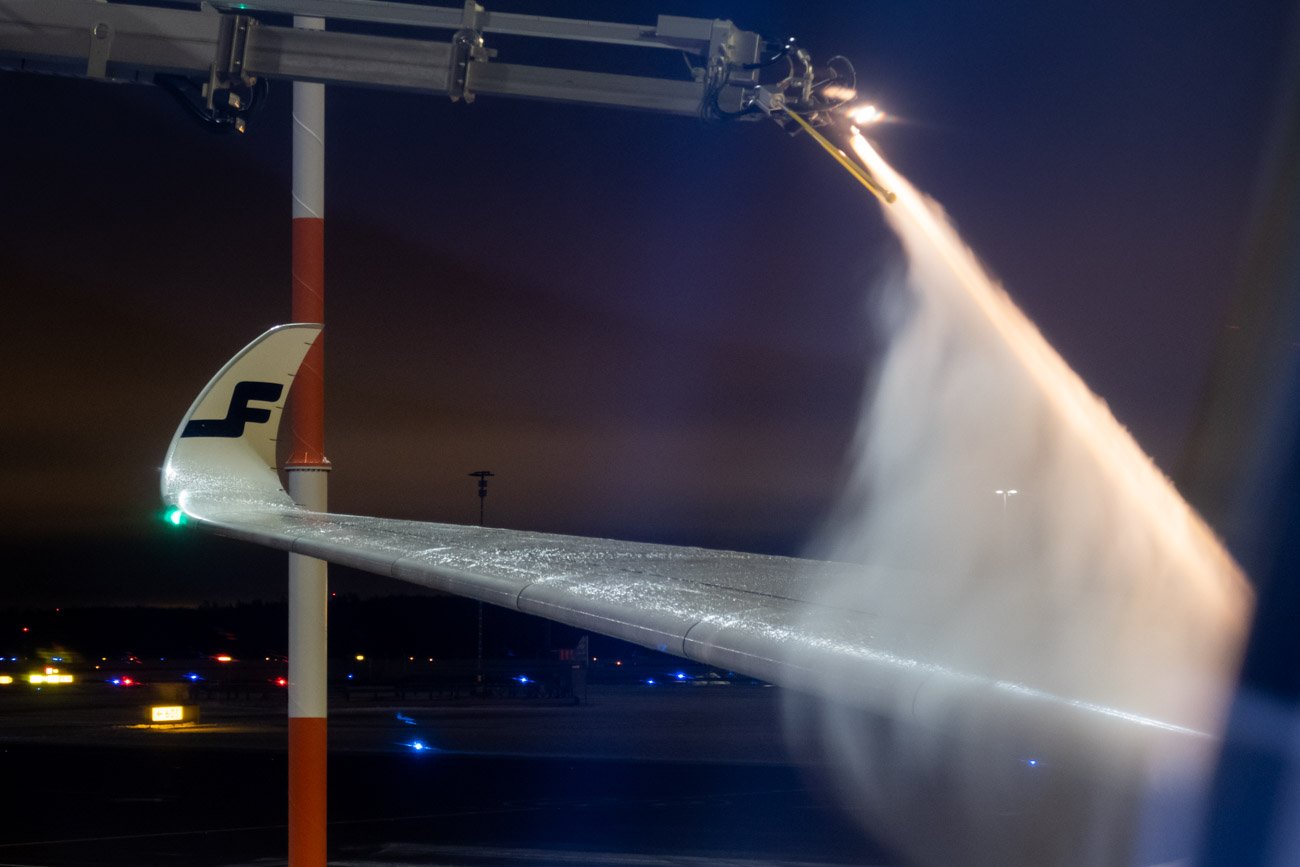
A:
238	413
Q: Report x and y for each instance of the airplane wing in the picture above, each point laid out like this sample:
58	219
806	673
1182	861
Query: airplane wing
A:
747	613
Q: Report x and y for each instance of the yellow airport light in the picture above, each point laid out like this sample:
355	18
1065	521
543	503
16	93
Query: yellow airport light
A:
49	678
172	714
5	680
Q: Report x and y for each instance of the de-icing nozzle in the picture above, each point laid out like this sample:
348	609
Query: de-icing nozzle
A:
854	168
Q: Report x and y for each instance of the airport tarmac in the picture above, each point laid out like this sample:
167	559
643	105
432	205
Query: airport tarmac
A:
637	775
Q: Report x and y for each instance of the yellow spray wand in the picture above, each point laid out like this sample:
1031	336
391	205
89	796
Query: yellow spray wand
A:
843	159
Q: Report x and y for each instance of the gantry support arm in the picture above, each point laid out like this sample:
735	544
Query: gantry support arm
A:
224	44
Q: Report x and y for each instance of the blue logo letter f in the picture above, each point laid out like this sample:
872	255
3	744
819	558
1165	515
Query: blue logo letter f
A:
238	413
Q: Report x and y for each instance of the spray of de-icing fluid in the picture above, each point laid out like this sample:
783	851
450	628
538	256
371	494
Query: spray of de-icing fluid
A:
1093	581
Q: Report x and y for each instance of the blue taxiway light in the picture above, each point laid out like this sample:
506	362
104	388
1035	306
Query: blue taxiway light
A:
420	747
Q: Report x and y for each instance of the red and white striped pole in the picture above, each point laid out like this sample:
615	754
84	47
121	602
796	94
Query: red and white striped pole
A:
308	473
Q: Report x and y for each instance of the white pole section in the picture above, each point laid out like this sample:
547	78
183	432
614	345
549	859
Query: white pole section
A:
307	469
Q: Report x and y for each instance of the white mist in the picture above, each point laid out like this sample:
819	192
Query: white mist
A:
1094	582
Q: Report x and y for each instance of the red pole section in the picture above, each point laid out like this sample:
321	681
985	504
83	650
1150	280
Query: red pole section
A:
307	469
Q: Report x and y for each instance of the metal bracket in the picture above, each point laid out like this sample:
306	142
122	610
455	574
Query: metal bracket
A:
769	101
728	83
228	90
101	42
466	48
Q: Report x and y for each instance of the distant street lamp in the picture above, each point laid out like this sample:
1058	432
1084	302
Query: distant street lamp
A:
1004	495
482	476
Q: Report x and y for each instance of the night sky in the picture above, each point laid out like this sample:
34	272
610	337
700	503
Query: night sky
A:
648	327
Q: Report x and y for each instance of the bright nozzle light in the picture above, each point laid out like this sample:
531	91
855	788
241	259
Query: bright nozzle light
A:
865	115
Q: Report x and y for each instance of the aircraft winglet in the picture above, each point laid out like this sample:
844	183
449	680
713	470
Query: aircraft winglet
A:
224	449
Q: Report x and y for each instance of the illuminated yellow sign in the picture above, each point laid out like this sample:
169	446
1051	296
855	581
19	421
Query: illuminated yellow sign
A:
49	678
167	713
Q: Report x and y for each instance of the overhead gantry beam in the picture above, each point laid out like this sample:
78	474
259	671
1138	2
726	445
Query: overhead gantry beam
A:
223	44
